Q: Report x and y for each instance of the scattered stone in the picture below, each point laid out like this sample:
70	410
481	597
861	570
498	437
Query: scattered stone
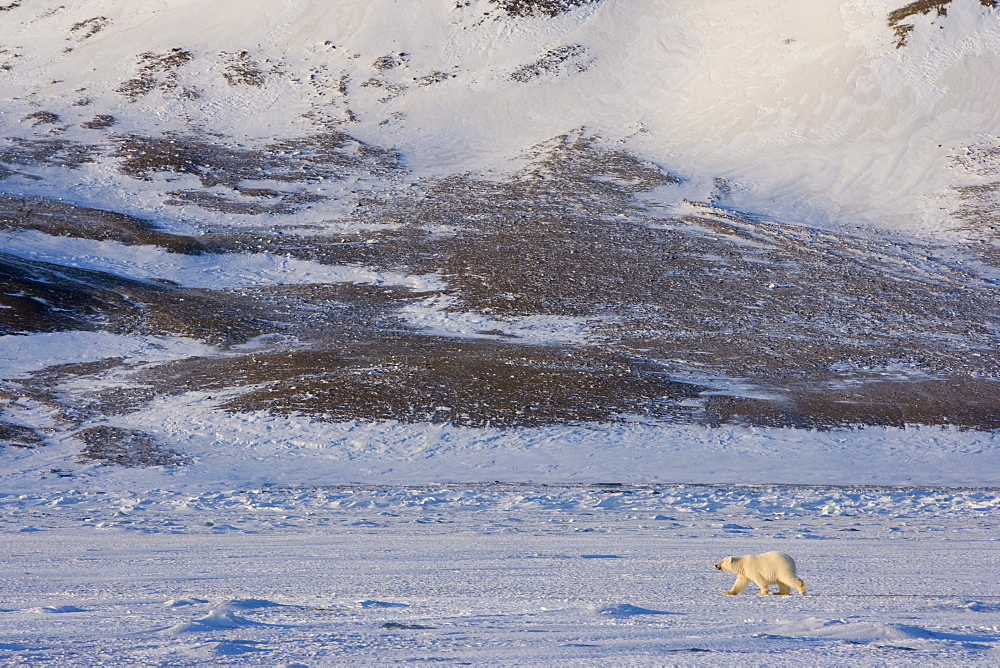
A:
126	447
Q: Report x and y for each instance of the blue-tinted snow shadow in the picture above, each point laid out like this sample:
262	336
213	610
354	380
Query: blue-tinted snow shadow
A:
625	611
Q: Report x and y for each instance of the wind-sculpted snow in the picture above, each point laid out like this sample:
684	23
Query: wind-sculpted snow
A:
726	509
496	574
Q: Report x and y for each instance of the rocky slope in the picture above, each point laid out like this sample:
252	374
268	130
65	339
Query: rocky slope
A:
546	222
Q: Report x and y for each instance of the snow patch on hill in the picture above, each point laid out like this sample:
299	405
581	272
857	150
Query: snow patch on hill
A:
809	110
210	271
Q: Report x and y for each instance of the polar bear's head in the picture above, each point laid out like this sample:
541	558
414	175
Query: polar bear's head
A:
728	564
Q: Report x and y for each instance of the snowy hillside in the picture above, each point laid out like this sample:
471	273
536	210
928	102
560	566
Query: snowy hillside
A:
821	111
502	213
498	214
476	331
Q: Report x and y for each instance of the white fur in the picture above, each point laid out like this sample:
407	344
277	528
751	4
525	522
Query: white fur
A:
770	568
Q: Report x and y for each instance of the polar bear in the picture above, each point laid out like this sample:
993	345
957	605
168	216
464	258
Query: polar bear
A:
764	570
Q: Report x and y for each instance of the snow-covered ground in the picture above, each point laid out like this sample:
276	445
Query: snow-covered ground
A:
497	574
292	542
227	448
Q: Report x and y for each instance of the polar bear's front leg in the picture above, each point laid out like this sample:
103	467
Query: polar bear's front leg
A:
741	583
764	589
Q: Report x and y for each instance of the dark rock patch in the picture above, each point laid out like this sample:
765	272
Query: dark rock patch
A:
550	8
15	435
126	447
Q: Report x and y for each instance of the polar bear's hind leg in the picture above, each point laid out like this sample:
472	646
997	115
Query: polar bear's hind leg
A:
785	585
